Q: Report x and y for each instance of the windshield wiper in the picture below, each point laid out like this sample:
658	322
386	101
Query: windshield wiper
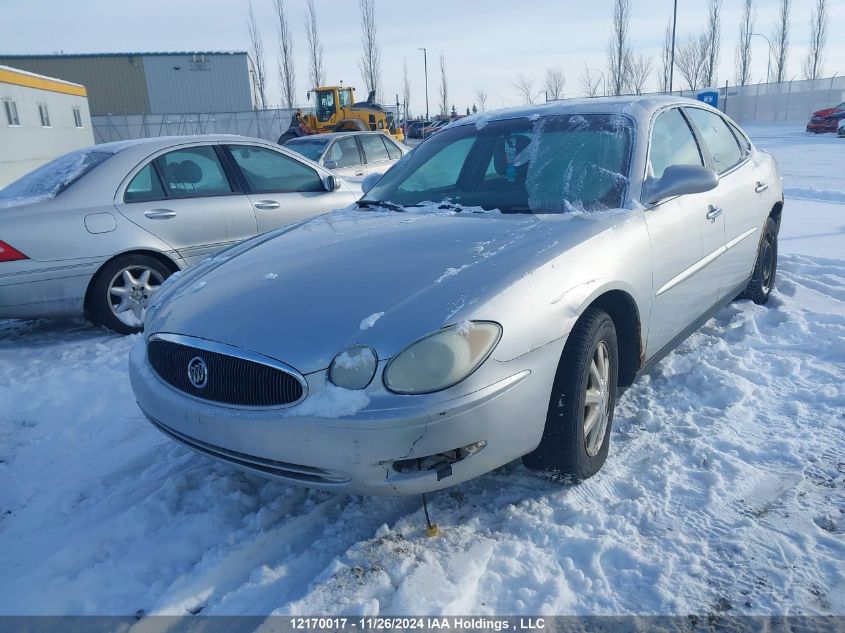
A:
371	204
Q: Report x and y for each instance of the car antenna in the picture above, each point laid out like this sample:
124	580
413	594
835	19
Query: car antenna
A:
431	529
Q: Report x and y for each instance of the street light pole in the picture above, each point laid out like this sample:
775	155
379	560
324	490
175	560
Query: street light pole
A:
672	61
425	64
769	65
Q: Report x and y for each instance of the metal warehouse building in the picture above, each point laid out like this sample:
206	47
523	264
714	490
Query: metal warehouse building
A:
151	83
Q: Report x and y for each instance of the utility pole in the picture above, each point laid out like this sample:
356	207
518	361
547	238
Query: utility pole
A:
425	65
672	64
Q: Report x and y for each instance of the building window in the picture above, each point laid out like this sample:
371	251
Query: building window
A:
11	109
77	117
44	114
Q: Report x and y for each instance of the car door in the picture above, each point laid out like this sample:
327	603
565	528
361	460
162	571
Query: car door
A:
684	238
741	195
282	188
187	198
375	153
346	158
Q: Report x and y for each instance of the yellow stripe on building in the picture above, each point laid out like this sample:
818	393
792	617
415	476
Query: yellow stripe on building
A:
42	83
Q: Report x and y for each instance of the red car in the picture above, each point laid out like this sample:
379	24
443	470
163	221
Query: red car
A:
826	120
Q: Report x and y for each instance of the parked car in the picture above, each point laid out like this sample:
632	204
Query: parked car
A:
95	232
826	120
350	154
435	127
415	128
840	131
485	302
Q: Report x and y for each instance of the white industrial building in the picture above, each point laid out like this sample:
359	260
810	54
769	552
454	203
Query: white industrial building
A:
41	118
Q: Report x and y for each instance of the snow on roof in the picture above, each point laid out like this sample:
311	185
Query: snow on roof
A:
26	73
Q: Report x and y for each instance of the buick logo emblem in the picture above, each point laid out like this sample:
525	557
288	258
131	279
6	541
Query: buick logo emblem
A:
198	372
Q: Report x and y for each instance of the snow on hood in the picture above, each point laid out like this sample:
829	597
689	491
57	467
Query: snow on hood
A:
308	293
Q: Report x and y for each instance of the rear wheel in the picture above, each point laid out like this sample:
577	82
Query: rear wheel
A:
122	291
577	433
762	280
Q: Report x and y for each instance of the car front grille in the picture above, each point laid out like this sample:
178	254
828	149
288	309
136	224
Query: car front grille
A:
226	375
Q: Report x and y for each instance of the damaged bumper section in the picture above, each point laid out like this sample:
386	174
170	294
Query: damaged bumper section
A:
395	446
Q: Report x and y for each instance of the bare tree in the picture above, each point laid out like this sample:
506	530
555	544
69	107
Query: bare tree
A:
525	87
406	87
287	70
743	49
780	39
444	87
619	48
481	95
256	58
714	41
589	84
691	59
638	73
316	72
370	63
555	80
666	59
818	38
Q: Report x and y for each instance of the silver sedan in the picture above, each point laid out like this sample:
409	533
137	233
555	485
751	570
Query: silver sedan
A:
485	301
350	154
96	231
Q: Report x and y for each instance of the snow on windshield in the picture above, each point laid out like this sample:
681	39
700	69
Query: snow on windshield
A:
536	164
51	179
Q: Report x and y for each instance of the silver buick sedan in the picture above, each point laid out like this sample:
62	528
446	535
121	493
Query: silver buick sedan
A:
486	300
350	154
95	232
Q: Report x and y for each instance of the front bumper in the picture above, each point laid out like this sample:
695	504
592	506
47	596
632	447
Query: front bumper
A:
360	453
823	127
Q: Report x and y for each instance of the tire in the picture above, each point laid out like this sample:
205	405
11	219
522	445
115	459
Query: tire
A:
106	295
284	138
565	455
762	280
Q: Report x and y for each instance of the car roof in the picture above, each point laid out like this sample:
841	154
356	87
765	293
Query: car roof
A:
637	106
332	135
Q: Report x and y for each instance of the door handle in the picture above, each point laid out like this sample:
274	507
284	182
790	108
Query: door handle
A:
713	213
266	205
359	173
761	186
160	214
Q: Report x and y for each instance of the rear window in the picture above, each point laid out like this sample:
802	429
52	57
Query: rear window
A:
310	148
50	180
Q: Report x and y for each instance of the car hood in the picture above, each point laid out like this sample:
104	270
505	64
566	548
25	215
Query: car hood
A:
378	278
825	112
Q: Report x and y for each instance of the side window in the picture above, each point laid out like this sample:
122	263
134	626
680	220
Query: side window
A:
718	138
374	148
392	150
441	169
195	171
741	138
44	114
145	186
268	171
77	117
11	108
345	152
672	143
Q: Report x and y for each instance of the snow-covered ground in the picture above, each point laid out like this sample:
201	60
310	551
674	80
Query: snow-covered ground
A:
724	490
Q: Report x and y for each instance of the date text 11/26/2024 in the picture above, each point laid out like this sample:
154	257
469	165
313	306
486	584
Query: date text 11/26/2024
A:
377	623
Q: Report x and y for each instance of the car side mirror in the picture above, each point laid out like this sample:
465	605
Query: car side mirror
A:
330	164
332	183
680	180
369	182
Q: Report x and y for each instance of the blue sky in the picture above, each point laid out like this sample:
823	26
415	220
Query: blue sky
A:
485	43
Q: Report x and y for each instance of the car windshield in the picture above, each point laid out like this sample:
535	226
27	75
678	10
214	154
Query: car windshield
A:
309	147
549	164
51	179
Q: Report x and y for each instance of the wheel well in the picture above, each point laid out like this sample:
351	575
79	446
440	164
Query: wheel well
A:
626	319
164	259
776	213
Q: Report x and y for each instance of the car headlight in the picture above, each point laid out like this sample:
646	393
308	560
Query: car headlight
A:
354	367
442	359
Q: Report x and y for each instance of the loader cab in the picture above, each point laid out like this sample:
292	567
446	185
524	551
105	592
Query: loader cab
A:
327	99
346	97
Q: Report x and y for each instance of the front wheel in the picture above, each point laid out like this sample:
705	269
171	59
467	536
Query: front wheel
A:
762	280
577	432
122	291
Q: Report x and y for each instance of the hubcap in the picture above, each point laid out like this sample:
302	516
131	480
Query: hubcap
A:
768	267
597	400
130	291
